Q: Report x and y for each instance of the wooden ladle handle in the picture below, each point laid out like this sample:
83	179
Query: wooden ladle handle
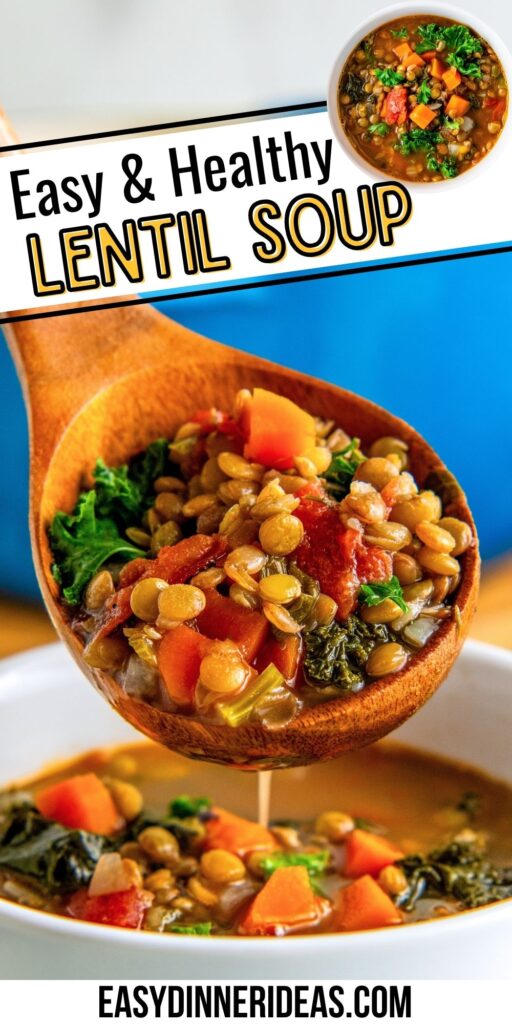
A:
63	361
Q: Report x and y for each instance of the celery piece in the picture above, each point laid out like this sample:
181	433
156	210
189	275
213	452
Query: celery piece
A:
235	712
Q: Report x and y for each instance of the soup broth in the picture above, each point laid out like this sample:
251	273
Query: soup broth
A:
383	837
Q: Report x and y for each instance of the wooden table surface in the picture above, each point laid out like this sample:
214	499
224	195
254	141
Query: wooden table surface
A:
25	625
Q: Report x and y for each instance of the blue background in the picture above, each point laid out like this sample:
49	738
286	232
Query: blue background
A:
430	343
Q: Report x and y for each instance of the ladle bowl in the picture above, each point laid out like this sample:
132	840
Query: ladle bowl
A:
108	382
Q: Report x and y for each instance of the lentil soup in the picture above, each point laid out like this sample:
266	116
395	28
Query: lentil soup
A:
258	563
423	98
131	838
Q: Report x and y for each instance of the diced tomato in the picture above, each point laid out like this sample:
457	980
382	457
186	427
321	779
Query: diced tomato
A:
373	564
82	801
367	854
394	108
364	905
285	903
173	564
214	419
338	557
223	619
279	430
116	610
284	655
314	489
228	831
180	653
122	909
497	105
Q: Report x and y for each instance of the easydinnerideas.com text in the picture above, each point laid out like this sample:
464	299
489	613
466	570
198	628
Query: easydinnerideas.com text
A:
234	1002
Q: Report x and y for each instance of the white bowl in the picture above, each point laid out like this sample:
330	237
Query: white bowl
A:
48	711
434	10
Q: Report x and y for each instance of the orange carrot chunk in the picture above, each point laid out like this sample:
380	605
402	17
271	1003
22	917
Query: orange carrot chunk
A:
227	831
285	902
363	904
83	801
413	61
180	653
284	655
402	51
223	619
452	79
438	68
457	106
278	430
367	853
422	115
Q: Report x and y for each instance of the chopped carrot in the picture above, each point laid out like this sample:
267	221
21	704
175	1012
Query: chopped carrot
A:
429	54
367	853
457	106
402	51
223	619
180	653
227	831
438	68
422	115
414	61
284	655
83	802
452	79
279	430
285	902
363	904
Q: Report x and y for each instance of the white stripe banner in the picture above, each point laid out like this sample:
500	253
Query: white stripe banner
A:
214	207
421	1002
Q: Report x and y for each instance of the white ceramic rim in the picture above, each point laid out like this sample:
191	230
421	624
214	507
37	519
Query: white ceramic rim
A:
371	940
389	14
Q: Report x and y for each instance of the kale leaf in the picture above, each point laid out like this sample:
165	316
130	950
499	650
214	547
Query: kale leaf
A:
460	43
446	167
375	593
424	92
466	67
354	87
343	465
190	806
419	139
201	928
92	534
315	863
58	858
459	871
381	129
335	655
400	33
81	542
125	492
389	77
183	831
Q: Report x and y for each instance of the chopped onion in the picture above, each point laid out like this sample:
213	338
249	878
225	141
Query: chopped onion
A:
419	632
139	679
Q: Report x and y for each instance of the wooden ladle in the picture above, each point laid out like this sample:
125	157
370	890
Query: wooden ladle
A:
106	383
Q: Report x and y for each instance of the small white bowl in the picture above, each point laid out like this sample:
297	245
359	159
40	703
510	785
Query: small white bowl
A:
433	10
48	711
